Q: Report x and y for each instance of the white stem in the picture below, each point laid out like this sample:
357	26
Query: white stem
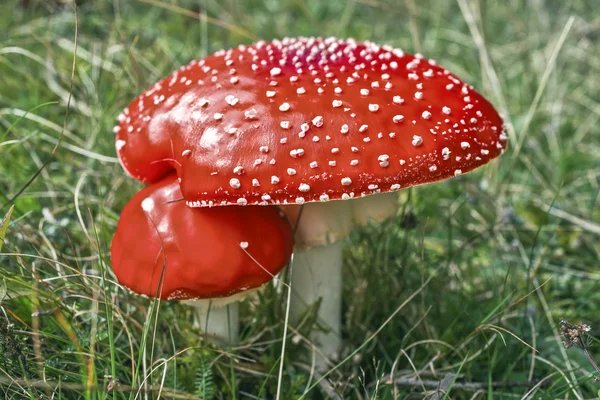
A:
318	275
223	322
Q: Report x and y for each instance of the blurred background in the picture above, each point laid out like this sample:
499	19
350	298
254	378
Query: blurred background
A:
512	248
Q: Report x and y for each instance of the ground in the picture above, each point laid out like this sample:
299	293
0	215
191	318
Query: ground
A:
495	259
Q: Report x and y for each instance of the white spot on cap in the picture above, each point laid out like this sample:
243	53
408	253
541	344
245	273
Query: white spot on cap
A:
274	180
384	160
291	171
239	170
446	153
186	152
395	186
300	90
250	114
433	168
373	107
346	181
364	92
464	145
318	121
398	100
270	93
120	144
304	187
344	129
457	172
336	103
297	153
275	71
244	245
242	201
398	118
300	200
284	107
426	115
235	183
324	197
231	100
417	140
313	164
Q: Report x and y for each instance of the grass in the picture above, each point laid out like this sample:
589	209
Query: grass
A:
501	255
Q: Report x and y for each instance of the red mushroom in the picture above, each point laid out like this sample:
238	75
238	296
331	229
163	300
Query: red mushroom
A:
309	120
164	249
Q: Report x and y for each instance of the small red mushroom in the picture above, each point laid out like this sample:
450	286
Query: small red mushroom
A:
196	253
164	249
305	121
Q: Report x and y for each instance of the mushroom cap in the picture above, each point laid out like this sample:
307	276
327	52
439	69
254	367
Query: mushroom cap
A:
205	253
307	119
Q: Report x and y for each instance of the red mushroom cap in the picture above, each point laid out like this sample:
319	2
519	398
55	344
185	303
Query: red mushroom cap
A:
206	251
307	119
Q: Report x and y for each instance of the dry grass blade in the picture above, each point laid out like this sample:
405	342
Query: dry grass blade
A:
202	16
575	220
550	66
497	329
4	225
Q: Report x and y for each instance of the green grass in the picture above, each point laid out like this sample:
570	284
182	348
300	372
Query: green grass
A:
485	240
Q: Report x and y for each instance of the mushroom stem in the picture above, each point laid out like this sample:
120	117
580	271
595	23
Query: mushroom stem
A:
220	323
317	277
